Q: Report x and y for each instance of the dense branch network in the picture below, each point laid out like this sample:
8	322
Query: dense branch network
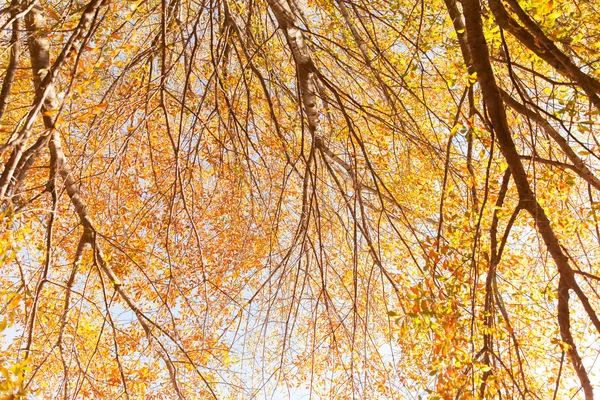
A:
344	199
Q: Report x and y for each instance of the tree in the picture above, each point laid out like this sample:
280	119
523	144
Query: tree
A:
268	199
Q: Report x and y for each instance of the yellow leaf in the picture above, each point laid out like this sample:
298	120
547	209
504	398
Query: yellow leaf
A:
49	113
14	302
53	14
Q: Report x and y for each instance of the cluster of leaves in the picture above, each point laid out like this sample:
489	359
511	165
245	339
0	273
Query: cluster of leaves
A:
278	198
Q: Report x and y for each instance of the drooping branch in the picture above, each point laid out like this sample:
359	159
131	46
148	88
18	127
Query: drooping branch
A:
44	75
578	165
46	100
15	54
461	33
43	276
365	52
566	336
495	107
304	63
587	82
534	39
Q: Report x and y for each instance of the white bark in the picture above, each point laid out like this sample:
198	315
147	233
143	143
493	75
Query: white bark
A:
304	64
45	101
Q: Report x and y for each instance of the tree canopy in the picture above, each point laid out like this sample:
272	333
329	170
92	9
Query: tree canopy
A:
326	199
